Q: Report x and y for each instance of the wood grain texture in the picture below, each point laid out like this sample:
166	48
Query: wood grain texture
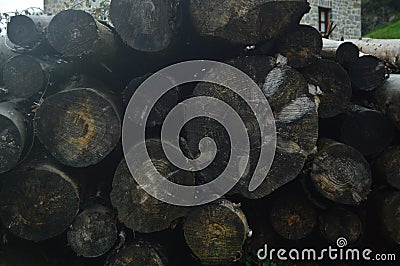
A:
293	217
79	126
216	232
39	202
387	166
301	46
340	173
138	253
332	86
76	33
137	209
246	22
367	73
148	26
93	232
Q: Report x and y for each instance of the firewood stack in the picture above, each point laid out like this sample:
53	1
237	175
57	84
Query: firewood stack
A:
68	196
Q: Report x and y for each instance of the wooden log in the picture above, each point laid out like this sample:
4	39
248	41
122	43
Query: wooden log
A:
80	125
387	166
16	134
76	33
39	201
345	53
301	46
366	130
388	99
246	22
340	173
160	110
340	222
388	216
24	76
136	208
148	26
216	232
385	50
296	122
293	217
334	86
93	232
367	73
28	31
5	53
138	253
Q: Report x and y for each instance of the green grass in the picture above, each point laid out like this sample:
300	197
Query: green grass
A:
391	31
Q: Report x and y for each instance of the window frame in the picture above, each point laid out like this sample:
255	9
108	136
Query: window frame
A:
326	18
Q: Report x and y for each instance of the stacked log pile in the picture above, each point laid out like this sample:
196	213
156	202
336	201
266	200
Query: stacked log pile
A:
66	192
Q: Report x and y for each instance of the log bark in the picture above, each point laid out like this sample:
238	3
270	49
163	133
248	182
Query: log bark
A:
76	33
340	173
367	73
366	130
29	32
385	50
216	232
148	26
31	198
301	46
345	53
387	166
138	253
80	125
296	121
339	222
388	99
136	208
331	84
293	217
16	134
246	22
93	232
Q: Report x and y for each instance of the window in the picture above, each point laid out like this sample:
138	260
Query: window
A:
323	17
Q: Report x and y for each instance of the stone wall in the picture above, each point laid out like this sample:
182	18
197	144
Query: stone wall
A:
345	14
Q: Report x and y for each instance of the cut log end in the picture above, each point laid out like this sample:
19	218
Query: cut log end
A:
147	26
93	233
21	30
332	86
138	253
137	209
367	73
339	222
340	173
216	232
73	33
389	216
11	144
366	130
387	166
23	76
347	53
293	217
301	46
31	202
79	126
